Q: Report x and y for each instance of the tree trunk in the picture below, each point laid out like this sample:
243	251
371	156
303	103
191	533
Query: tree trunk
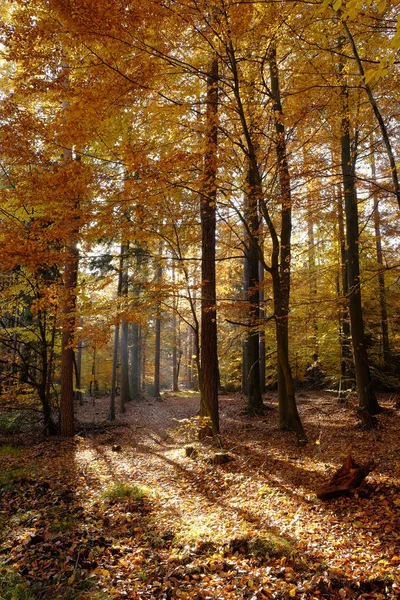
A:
157	358
245	340
157	345
366	395
288	414
111	414
67	342
175	341
381	276
254	398
135	362
114	371
209	357
78	368
346	359
312	280
262	330
125	395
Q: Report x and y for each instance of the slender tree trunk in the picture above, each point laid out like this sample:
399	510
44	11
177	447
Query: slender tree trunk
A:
135	362
125	395
143	354
366	395
245	340
346	359
67	338
78	369
313	279
114	371
111	414
254	398
381	276
209	357
175	341
157	345
262	330
157	358
288	414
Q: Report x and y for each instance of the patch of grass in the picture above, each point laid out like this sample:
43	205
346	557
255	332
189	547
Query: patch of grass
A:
194	534
11	478
62	525
83	592
8	450
10	422
13	586
270	544
125	490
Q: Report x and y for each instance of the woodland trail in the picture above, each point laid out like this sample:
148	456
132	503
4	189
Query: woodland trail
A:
122	512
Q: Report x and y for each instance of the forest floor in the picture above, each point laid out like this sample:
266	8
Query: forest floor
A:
123	512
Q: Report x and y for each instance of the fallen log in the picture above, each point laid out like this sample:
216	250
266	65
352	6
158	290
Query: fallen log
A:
346	479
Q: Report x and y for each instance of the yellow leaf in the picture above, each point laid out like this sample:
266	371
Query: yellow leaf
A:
292	592
71	579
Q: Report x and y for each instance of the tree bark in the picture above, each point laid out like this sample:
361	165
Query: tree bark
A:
70	279
366	396
289	417
125	394
381	275
346	359
135	362
157	344
254	398
209	357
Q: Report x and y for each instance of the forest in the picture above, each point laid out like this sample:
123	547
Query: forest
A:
199	291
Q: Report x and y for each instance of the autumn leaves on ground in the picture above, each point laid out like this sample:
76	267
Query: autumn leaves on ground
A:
123	512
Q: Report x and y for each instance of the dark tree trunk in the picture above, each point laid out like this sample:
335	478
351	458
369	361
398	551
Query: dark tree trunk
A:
209	357
114	372
67	340
78	370
157	358
135	362
288	414
381	276
157	345
346	359
245	340
262	330
143	354
312	279
175	339
366	395
111	414
254	397
125	395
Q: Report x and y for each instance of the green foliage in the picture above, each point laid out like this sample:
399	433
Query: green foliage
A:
125	490
270	544
11	478
10	422
12	586
62	525
8	450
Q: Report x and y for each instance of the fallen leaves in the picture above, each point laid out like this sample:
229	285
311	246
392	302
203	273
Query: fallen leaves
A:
251	528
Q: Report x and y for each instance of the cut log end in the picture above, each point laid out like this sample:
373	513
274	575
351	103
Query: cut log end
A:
347	479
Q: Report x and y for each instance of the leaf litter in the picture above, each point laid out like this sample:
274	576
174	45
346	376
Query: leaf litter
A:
82	520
